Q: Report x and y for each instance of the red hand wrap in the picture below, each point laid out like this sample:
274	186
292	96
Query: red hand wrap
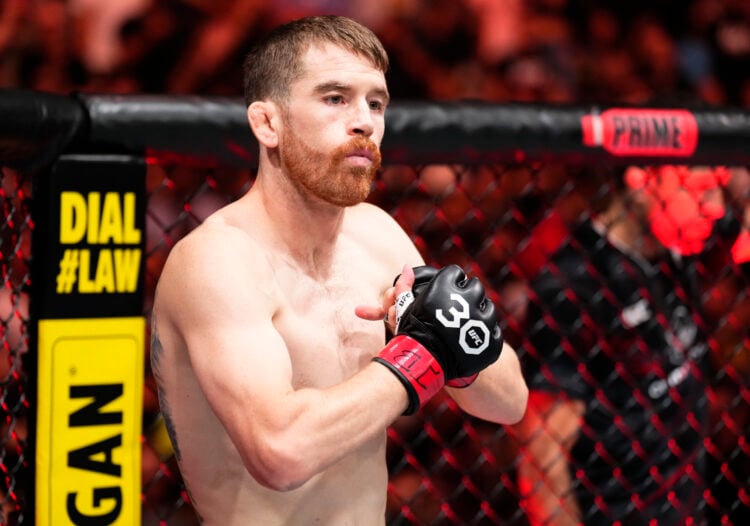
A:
419	371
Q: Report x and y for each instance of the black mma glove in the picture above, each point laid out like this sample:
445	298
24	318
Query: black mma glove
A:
422	276
447	332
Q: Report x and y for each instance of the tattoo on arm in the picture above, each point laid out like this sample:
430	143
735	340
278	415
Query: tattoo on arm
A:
169	423
157	351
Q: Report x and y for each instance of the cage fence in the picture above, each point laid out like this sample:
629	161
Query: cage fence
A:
503	221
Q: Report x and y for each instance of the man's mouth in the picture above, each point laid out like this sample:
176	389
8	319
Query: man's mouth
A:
361	152
360	157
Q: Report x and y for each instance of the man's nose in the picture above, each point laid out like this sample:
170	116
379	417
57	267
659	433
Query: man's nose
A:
361	120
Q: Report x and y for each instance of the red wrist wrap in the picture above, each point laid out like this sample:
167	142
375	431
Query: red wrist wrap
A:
419	371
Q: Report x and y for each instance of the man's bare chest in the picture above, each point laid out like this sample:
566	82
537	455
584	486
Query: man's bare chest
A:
327	342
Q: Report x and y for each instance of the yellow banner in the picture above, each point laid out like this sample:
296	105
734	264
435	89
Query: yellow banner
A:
89	421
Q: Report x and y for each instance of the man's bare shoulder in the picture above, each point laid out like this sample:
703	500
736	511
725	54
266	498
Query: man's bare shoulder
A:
215	242
217	259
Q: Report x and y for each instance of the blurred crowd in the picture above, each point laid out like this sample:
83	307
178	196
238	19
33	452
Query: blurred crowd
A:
556	51
500	50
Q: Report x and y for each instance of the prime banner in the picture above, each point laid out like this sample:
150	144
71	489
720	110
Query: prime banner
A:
88	306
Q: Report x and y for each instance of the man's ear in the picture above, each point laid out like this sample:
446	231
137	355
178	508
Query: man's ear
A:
263	119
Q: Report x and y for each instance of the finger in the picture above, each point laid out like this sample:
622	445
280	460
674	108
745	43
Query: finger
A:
405	281
387	310
369	312
389	296
391	318
404	293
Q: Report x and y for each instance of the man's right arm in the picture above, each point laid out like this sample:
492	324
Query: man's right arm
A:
223	311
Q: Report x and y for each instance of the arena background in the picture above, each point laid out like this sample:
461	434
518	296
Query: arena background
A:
455	176
458	177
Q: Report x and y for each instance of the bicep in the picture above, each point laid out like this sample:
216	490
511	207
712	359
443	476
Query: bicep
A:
241	366
225	324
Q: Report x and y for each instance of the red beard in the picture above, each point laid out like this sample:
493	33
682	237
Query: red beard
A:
327	176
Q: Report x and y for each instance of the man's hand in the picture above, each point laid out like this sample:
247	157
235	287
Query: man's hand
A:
387	311
448	331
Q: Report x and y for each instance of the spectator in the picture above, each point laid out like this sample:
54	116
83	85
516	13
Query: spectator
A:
616	356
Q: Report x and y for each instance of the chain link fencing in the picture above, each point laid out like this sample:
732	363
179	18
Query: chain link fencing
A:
501	222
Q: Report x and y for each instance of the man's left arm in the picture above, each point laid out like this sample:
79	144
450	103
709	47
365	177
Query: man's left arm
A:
499	394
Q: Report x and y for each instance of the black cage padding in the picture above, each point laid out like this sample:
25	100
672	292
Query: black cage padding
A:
36	127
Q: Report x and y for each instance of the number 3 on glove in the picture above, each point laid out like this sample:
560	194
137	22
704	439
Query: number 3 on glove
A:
448	333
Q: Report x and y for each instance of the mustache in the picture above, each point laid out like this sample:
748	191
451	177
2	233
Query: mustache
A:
357	145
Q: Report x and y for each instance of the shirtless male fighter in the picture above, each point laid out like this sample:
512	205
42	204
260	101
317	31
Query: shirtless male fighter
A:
268	344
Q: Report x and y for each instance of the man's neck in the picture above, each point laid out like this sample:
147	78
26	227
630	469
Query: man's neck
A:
307	227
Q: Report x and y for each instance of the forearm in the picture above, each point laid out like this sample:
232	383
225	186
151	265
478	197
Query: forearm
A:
499	393
312	429
351	413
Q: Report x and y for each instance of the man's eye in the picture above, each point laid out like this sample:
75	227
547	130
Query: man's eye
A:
376	105
335	99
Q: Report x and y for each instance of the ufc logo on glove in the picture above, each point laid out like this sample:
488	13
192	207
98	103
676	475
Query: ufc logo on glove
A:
476	344
445	320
